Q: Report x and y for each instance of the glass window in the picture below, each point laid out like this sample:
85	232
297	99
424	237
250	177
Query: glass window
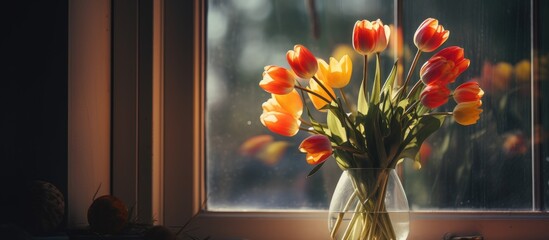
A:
487	166
248	167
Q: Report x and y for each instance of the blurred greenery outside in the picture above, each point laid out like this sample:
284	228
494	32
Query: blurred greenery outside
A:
487	166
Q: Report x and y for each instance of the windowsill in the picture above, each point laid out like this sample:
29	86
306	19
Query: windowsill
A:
423	225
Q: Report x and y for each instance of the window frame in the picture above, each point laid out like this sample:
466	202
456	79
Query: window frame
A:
183	160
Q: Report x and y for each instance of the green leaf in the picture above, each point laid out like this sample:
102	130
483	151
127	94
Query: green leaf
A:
427	125
376	88
337	130
387	89
362	103
315	169
393	141
374	137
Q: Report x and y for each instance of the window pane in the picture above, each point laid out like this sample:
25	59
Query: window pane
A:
242	37
487	165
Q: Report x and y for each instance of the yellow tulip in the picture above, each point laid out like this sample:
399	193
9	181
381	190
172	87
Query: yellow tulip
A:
315	87
337	74
467	113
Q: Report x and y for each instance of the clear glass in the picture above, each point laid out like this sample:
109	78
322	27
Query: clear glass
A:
368	203
486	166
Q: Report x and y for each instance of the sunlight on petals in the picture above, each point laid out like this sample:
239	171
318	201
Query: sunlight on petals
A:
430	35
370	37
318	148
277	80
280	123
337	74
315	87
468	92
302	62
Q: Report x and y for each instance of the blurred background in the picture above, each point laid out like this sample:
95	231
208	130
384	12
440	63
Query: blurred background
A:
487	166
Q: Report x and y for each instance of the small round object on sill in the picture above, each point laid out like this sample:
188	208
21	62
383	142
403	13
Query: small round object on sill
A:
42	208
107	215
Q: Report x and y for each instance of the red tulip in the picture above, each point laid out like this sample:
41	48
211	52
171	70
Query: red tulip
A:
434	95
302	61
318	148
468	92
430	35
281	123
277	80
444	67
370	37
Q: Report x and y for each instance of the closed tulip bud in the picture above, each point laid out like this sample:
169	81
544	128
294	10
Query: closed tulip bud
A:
289	103
277	80
434	95
430	35
302	62
370	37
468	92
318	148
467	113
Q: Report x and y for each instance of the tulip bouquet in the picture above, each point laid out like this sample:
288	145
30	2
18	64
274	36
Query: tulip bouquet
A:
388	123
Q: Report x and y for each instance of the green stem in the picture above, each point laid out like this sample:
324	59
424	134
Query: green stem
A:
350	227
414	88
364	77
345	100
308	130
314	93
438	113
348	149
305	122
342	214
409	75
324	88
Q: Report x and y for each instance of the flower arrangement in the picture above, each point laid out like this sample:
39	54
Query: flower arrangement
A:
388	124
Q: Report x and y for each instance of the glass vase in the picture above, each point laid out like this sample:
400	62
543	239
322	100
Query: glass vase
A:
369	203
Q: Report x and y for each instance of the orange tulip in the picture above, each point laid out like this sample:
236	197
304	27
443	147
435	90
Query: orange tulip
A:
337	74
434	95
467	113
302	61
444	67
281	123
370	37
277	80
318	148
468	92
319	103
281	113
430	35
289	103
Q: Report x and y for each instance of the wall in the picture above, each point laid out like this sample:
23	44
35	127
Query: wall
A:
33	97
